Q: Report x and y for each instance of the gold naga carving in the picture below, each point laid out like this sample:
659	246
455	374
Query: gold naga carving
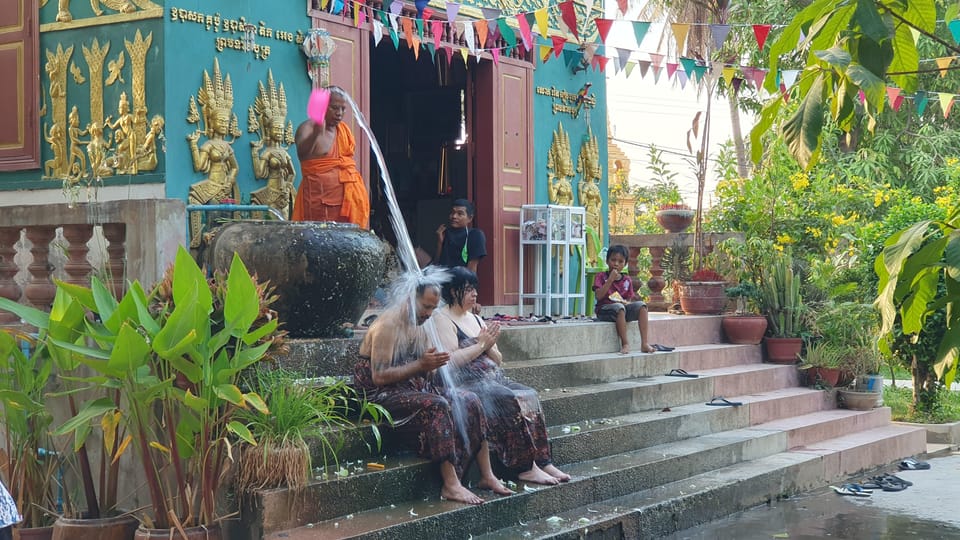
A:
588	189
56	134
560	169
271	161
215	158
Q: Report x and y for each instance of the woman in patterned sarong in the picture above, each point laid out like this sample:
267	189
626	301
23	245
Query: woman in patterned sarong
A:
398	370
518	431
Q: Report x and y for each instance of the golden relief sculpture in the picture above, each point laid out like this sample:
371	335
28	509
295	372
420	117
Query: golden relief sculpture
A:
121	6
77	161
98	150
125	159
147	153
56	134
588	165
271	162
215	157
95	55
560	169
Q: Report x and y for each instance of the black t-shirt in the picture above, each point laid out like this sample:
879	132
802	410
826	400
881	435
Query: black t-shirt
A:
454	242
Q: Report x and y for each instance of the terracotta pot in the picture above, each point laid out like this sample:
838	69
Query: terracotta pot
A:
324	273
33	533
744	329
703	297
825	375
675	220
210	532
782	350
111	528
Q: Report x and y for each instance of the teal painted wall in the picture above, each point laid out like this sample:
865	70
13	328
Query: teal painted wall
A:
191	48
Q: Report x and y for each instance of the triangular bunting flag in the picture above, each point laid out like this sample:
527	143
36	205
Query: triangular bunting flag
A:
558	42
545	51
682	78
737	82
452	9
688	65
496	56
464	53
915	33
629	68
680	31
622	6
603	28
719	32
892	94
728	73
421	5
569	17
433	52
480	27
946	102
419	24
416	48
644	66
602	60
448	51
507	33
789	76
356	13
490	13
954	27
920	98
571	57
436	28
492	31
427	14
525	34
337	7
396	7
407	25
387	8
623	55
656	74
589	50
468	36
395	38
760	31
542	21
699	71
639	30
671	68
943	63
897	103
759	74
377	32
657	59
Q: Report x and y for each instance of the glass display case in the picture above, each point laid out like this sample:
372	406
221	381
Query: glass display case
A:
554	237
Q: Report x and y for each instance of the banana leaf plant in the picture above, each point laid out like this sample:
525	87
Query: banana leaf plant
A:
175	357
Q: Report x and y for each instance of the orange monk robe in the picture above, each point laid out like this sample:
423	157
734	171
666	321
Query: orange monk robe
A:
332	188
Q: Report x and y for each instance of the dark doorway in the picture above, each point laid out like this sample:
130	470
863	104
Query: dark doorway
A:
418	113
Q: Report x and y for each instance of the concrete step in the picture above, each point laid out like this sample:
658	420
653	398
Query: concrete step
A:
604	367
576	338
694	466
679	505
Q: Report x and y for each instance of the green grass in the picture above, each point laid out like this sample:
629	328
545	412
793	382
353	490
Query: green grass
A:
900	401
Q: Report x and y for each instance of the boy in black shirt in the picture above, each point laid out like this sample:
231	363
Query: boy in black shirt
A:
457	243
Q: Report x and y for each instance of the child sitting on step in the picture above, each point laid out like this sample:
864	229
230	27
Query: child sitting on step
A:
614	292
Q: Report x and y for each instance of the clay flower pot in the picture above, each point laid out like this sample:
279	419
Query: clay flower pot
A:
675	220
703	297
744	329
783	350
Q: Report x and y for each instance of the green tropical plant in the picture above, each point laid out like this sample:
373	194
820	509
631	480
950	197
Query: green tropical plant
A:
301	412
31	462
781	298
822	355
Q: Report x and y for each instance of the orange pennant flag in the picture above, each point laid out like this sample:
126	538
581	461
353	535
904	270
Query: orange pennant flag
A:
946	102
481	28
542	21
943	63
680	35
407	30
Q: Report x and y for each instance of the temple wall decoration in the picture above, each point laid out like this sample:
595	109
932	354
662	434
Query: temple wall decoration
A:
560	169
267	117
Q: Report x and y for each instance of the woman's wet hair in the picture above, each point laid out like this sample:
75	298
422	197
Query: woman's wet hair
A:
456	288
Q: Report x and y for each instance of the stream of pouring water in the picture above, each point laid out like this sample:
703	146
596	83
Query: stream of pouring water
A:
408	258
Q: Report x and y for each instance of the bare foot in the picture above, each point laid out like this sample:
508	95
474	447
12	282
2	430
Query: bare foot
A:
537	476
460	494
556	473
625	349
495	485
647	348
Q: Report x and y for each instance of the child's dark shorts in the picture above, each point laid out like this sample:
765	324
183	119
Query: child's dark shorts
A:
608	312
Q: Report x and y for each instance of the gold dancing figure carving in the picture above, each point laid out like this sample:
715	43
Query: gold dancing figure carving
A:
124	137
215	157
77	161
97	150
560	169
271	161
588	165
147	153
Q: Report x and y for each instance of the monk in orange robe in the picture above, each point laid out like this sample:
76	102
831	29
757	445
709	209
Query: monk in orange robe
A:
332	188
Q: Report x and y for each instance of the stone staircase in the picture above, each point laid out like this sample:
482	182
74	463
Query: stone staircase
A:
647	455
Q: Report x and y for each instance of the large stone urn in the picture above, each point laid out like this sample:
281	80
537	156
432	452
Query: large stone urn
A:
323	272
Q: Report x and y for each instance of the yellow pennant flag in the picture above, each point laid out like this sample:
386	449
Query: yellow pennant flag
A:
946	102
545	51
728	73
542	21
680	34
464	53
943	63
916	34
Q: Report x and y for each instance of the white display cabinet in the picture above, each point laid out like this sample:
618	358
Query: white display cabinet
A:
553	235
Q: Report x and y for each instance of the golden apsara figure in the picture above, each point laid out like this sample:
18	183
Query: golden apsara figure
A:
588	165
124	136
215	156
147	153
560	169
97	150
271	161
78	161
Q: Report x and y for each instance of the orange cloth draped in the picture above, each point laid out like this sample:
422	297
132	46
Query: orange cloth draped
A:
326	178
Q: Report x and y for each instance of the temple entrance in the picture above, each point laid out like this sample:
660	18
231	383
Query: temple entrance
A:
419	112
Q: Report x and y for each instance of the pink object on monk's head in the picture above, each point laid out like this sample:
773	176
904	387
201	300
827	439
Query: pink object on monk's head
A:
317	105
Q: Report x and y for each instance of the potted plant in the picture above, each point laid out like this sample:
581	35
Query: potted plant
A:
853	328
784	308
674	217
822	362
703	293
745	326
301	412
176	357
676	262
30	461
744	261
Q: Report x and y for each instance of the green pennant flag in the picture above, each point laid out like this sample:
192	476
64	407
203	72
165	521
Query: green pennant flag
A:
507	33
395	38
419	23
921	98
689	66
699	71
433	52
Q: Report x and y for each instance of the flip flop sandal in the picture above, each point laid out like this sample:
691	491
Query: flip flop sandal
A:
892	486
721	401
858	488
845	490
681	373
662	348
893	478
911	464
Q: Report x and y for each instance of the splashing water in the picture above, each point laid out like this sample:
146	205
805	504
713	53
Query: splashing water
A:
404	288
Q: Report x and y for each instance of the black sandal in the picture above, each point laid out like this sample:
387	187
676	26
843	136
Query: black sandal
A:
721	401
681	373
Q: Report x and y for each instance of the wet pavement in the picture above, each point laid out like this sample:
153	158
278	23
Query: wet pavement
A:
924	511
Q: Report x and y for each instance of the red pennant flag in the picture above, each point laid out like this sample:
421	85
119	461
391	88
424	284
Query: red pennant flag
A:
524	25
603	61
760	31
657	59
603	26
449	52
892	93
427	13
569	17
897	102
622	5
436	28
671	68
558	42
